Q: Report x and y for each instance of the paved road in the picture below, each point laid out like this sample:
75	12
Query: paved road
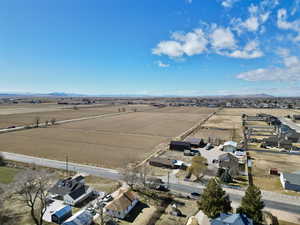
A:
92	170
281	202
272	204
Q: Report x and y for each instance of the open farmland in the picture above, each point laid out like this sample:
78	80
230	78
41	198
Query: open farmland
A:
111	141
222	126
12	116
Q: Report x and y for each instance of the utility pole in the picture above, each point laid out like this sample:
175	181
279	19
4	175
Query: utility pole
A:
67	165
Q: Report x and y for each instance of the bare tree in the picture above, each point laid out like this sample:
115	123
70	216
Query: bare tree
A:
53	121
37	121
7	217
32	189
142	172
130	175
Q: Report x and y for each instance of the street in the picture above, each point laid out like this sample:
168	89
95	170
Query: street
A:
277	201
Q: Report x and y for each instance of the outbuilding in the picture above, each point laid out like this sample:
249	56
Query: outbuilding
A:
195	142
179	145
163	162
61	215
80	218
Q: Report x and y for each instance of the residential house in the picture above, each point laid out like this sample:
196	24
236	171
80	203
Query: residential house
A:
72	190
290	181
276	142
61	215
232	219
121	205
231	162
229	146
80	218
179	145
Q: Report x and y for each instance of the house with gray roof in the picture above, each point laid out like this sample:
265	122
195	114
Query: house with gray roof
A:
232	219
290	181
72	190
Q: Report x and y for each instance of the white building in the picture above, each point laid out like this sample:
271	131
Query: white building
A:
229	146
122	204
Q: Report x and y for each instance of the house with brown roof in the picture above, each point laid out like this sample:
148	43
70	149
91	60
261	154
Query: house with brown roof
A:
121	206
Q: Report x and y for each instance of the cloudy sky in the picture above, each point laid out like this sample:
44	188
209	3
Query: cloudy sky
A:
170	47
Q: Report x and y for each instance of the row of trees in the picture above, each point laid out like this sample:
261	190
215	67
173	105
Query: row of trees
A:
215	201
37	121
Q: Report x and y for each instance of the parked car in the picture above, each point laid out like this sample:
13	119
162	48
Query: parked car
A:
10	127
107	198
194	195
208	146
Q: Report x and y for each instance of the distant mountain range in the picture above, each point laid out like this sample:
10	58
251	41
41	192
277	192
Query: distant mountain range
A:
68	95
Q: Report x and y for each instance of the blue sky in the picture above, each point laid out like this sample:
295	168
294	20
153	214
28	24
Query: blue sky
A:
170	47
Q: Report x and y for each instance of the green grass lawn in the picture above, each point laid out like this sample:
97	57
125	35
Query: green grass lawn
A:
7	174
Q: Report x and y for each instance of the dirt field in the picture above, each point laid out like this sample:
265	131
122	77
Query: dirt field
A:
12	116
112	141
264	161
213	133
231	125
197	110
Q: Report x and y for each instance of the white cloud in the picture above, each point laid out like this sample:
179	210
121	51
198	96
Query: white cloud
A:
290	71
291	61
283	52
250	51
281	20
258	15
251	24
191	43
216	39
228	3
161	64
222	38
253	9
169	48
295	7
282	23
272	74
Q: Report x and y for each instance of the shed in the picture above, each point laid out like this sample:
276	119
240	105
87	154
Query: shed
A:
80	218
163	162
61	215
179	145
195	142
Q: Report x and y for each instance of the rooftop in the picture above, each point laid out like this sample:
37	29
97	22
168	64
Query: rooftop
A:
291	178
232	219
